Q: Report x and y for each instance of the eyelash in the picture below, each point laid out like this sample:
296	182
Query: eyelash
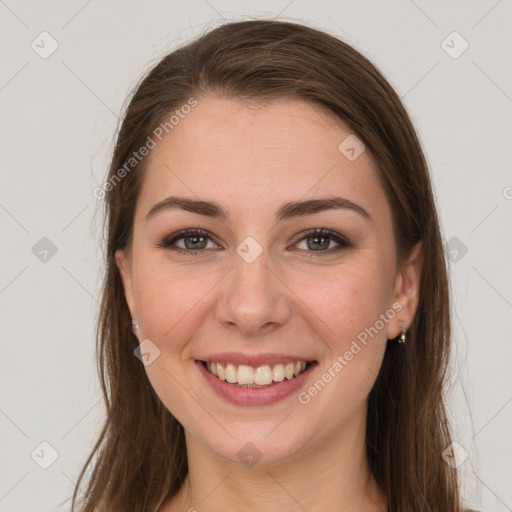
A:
169	241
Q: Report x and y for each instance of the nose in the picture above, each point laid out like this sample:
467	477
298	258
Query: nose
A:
253	300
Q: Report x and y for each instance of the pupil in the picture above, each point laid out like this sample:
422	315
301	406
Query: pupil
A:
325	245
195	240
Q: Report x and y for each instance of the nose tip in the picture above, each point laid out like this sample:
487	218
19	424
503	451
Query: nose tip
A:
249	323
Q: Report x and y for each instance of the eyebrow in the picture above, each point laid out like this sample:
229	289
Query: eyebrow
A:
286	211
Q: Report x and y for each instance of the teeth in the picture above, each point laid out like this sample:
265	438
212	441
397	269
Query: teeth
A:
231	373
278	373
261	376
246	375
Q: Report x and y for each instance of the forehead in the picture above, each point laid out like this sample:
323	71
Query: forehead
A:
251	157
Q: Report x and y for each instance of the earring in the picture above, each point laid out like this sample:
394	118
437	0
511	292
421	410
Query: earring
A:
135	327
401	338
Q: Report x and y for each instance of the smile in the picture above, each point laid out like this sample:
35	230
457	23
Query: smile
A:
256	377
265	384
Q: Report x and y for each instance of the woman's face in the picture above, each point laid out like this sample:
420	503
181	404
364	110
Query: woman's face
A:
255	287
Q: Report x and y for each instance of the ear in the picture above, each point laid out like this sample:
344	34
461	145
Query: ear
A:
406	292
124	264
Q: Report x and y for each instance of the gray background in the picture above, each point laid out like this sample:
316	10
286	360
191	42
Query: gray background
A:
58	119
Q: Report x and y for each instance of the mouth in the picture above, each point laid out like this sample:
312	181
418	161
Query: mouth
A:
264	376
262	385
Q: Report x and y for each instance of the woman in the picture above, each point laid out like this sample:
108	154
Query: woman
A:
274	329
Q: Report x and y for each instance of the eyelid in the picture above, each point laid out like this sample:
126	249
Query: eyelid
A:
169	241
340	239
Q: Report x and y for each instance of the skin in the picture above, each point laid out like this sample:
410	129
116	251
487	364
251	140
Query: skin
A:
292	299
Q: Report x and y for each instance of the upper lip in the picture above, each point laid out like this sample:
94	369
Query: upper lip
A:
254	360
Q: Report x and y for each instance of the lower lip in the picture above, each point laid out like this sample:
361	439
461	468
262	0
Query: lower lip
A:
255	396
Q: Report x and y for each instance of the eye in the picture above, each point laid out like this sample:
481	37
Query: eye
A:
195	241
320	240
188	241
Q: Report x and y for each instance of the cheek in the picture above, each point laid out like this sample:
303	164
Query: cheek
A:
350	302
169	304
167	299
353	302
348	299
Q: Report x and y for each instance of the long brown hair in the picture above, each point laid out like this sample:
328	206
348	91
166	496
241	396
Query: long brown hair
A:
139	460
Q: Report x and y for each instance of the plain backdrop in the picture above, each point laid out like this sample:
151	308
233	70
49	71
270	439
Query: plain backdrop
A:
59	112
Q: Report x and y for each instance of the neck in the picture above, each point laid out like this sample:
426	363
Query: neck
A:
332	476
